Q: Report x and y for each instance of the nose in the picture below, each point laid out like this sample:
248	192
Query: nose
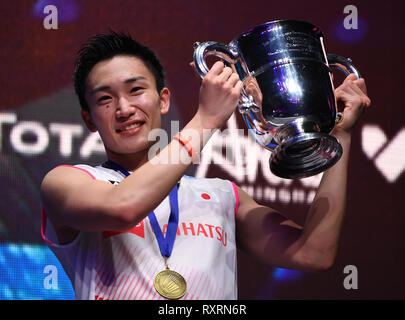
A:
124	108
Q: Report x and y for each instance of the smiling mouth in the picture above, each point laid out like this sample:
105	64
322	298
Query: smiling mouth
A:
130	127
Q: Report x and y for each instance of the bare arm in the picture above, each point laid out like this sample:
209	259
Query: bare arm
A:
268	235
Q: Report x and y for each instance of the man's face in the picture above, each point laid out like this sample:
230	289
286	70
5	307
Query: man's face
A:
124	104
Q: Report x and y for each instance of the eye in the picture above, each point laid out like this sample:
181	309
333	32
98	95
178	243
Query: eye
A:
136	89
103	99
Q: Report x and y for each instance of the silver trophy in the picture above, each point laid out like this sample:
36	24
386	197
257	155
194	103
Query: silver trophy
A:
288	100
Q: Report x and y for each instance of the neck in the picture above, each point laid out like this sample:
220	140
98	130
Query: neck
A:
129	162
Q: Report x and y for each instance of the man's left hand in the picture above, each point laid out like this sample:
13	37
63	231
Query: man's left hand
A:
353	94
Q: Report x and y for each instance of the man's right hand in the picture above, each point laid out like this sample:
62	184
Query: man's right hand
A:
219	94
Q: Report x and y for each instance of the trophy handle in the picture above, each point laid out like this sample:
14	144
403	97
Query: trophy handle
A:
343	64
211	48
230	57
346	66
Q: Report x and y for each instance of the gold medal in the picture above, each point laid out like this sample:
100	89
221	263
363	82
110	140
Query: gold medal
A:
170	284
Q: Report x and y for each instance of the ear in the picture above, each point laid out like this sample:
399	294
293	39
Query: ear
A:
164	100
86	116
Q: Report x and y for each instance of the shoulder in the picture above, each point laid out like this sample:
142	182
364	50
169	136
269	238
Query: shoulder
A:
63	172
61	177
95	173
65	177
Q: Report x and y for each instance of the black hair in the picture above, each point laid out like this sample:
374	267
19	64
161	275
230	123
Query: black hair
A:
105	46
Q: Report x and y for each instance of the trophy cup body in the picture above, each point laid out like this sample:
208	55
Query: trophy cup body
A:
288	100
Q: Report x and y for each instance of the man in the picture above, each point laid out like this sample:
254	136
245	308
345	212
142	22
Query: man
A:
115	229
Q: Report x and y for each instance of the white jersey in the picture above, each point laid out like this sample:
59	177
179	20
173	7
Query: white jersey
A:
122	265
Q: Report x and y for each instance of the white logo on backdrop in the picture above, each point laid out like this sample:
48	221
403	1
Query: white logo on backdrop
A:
69	136
231	150
387	155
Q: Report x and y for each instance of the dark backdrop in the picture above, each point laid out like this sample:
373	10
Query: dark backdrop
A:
41	127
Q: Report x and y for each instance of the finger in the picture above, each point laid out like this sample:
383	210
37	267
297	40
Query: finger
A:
356	83
238	87
225	74
346	84
352	87
360	92
233	79
351	98
361	83
357	91
217	68
350	77
192	64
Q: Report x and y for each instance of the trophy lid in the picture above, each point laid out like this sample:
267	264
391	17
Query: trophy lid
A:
286	25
